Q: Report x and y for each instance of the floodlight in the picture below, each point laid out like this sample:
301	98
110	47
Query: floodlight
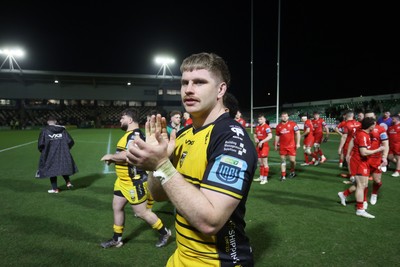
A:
164	62
12	52
10	57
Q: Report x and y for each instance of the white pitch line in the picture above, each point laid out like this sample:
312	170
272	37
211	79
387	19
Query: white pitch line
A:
9	148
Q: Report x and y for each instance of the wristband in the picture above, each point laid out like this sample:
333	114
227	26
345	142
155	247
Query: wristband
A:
165	172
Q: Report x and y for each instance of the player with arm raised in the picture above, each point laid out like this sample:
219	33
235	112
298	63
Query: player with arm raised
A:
210	173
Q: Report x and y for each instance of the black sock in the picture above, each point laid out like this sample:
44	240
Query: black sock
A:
163	231
117	237
53	181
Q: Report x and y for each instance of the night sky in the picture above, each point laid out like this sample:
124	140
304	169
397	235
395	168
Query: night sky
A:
328	49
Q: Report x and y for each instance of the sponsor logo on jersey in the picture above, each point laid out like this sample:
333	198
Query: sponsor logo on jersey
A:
228	171
284	131
189	142
237	130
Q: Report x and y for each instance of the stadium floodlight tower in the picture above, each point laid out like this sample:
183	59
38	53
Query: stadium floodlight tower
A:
10	57
164	62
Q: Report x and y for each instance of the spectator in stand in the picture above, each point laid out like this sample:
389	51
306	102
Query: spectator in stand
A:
319	125
17	126
394	144
188	120
238	118
385	120
288	139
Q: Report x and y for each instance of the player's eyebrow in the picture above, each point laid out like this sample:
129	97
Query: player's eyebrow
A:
195	81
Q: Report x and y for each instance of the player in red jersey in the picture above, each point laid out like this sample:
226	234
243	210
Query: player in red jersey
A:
238	118
262	135
376	161
339	130
319	125
188	120
349	131
360	116
394	143
288	139
359	164
308	141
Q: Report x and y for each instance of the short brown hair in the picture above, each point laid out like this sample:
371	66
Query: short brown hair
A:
208	61
175	112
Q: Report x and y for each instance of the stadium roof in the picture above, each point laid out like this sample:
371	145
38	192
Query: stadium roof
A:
29	76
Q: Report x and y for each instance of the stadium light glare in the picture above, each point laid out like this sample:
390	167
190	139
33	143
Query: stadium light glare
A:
12	52
10	57
164	61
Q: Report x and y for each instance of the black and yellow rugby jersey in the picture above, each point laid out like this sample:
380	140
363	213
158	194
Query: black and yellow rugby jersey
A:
127	172
219	157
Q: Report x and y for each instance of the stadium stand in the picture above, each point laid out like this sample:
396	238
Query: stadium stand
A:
96	99
28	97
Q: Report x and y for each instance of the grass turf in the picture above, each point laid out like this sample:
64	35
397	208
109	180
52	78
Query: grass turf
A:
299	222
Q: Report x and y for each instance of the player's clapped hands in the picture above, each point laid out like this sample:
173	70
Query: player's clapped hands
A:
151	154
153	125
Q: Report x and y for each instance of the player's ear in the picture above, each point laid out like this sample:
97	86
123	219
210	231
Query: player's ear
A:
222	89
